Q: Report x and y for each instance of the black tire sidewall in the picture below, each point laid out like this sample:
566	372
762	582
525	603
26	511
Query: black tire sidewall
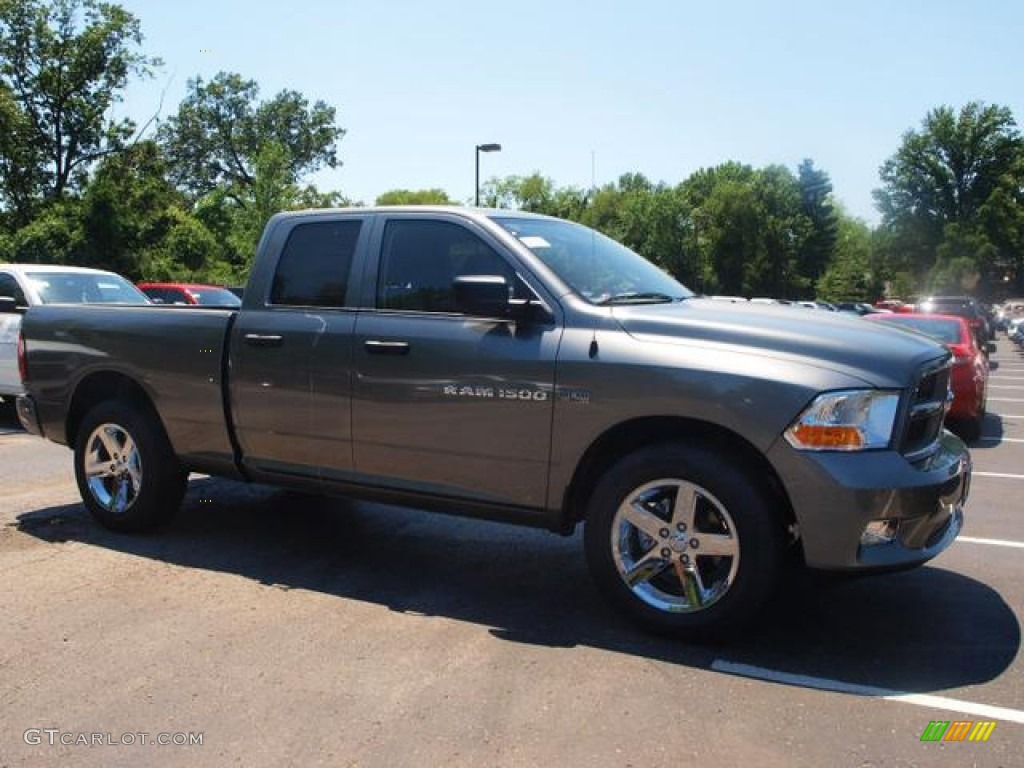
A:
759	530
163	482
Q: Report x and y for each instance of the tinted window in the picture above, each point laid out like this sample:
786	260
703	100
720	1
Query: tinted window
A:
421	259
9	287
314	267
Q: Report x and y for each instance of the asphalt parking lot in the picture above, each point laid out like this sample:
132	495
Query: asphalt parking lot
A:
283	631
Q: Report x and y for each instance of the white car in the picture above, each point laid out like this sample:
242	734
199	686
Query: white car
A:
27	285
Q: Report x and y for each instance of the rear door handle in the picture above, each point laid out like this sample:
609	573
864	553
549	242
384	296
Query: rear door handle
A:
263	339
386	347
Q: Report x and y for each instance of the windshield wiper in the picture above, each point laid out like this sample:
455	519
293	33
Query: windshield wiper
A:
639	297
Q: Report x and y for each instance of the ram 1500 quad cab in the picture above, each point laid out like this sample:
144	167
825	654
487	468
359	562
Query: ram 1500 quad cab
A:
527	369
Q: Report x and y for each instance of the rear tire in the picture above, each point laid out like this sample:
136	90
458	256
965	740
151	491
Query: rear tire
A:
684	541
127	473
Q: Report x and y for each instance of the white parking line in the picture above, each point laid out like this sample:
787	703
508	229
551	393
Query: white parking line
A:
998	474
1011	416
1005	386
993	542
837	686
1000	440
1006	399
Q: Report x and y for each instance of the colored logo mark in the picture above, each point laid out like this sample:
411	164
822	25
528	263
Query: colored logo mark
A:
958	730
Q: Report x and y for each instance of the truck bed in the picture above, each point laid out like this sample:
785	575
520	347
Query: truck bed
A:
176	353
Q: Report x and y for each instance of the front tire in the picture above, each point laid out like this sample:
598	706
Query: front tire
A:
127	473
684	540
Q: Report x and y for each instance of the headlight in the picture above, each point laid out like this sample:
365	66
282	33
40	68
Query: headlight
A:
850	420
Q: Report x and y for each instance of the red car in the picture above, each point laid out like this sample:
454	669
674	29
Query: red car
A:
894	305
190	293
969	381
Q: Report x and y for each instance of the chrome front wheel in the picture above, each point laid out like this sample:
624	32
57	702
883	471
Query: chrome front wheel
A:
686	540
675	546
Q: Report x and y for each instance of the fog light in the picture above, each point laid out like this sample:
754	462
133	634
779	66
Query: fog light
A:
879	532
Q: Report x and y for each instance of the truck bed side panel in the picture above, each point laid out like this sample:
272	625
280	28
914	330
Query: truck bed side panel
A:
174	353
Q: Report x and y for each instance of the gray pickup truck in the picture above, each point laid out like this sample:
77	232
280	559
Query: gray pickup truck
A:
526	369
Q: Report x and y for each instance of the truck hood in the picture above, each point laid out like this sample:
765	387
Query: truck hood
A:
879	355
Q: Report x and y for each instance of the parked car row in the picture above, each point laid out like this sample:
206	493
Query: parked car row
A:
1006	313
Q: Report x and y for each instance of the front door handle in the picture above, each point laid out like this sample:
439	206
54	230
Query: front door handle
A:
263	339
375	347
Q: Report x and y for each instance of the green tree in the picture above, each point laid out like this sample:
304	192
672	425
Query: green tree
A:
749	229
534	193
816	203
215	140
851	274
939	188
188	251
414	197
63	64
124	211
55	236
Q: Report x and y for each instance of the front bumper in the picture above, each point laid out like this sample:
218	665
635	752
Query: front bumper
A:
835	496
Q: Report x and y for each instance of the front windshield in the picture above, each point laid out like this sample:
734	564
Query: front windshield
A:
596	267
85	288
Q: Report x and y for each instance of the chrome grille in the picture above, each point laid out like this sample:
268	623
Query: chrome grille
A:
928	403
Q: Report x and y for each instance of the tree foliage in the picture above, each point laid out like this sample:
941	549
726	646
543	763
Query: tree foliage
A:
951	193
852	273
63	64
750	229
216	139
414	197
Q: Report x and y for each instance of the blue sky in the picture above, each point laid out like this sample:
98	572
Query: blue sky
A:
587	91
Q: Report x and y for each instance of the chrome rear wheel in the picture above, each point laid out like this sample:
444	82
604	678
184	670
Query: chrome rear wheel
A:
113	468
127	472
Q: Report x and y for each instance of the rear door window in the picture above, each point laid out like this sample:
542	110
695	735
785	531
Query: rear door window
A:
316	264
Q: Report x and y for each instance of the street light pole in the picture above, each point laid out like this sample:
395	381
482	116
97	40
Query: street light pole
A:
483	148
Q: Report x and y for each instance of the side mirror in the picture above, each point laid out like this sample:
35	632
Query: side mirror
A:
8	306
485	295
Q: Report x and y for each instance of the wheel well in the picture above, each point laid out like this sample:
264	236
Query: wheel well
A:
632	435
98	387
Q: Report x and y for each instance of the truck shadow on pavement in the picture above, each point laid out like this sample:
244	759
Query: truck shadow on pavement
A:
925	630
